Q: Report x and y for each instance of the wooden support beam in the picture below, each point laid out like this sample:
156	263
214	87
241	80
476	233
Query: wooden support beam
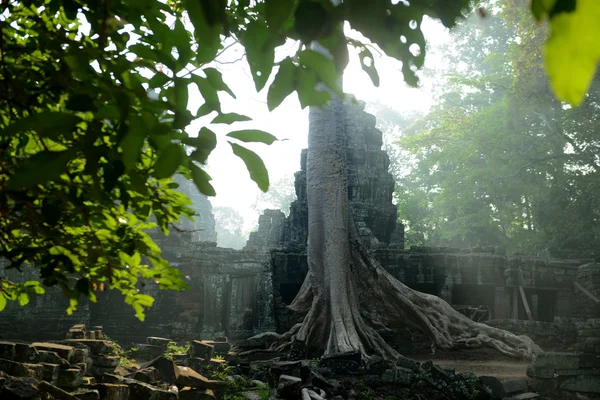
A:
586	292
524	298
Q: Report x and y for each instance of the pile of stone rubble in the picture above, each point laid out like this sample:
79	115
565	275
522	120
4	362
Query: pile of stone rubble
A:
86	366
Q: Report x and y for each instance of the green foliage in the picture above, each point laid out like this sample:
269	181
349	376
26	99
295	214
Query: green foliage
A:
174	349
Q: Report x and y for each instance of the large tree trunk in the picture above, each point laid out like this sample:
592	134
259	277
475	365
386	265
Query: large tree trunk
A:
348	298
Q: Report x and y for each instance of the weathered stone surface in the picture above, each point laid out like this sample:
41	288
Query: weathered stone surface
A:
526	396
106	361
147	375
51	357
196	394
7	350
513	386
189	377
289	387
113	391
14	368
158	341
168	372
200	349
96	346
218	347
342	363
403	376
50	372
494	385
143	391
56	392
86	394
20	388
409	363
25	353
70	378
584	384
555	360
80	355
64	351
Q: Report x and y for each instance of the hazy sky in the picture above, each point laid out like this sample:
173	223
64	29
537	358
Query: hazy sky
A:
230	177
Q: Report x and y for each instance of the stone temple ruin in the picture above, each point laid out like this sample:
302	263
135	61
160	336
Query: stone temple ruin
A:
239	293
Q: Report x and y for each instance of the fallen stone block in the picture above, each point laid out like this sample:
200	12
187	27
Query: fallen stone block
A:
200	349
81	354
69	378
51	357
583	384
97	347
158	341
289	387
64	351
525	396
144	391
195	394
99	372
56	392
25	353
218	347
106	361
20	388
50	372
514	386
146	375
403	376
555	360
496	389
24	370
342	363
168	372
189	377
7	350
86	394
76	334
197	364
112	391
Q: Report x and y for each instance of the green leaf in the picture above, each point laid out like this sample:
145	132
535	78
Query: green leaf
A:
23	299
572	51
132	143
216	80
208	92
2	301
259	53
158	80
279	12
230	118
80	102
201	180
207	35
368	64
253	135
254	164
182	43
170	158
205	143
307	92
283	85
324	67
49	124
40	168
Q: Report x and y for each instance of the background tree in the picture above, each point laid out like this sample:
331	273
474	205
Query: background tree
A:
229	225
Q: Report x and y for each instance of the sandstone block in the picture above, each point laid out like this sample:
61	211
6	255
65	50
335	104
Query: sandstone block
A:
408	363
146	375
112	391
50	372
144	391
51	357
18	369
513	386
195	394
158	341
64	351
86	394
97	347
189	377
168	372
583	384
555	360
201	350
106	361
69	378
403	376
289	387
218	347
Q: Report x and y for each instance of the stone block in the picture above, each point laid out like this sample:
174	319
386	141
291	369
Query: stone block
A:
18	369
582	384
408	363
70	378
64	351
289	387
189	377
50	372
525	396
106	361
7	350
51	357
403	376
219	347
200	349
112	391
388	376
195	394
146	375
197	364
86	394
158	341
143	391
20	388
555	360
495	387
25	353
513	386
96	347
168	372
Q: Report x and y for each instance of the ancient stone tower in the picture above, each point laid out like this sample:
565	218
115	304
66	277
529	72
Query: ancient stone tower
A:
370	190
